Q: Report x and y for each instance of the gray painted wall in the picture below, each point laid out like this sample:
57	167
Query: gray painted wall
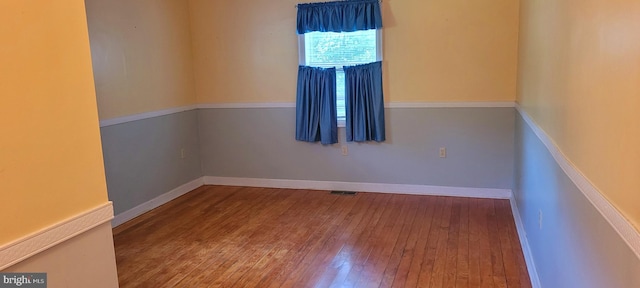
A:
576	246
143	158
259	143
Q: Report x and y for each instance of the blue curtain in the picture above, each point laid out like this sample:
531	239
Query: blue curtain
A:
364	102
316	105
339	16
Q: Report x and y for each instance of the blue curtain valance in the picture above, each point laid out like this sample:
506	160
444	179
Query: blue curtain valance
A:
339	16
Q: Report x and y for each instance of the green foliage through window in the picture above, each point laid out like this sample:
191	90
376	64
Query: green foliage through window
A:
329	49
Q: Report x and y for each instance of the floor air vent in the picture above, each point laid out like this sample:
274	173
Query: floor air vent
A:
343	192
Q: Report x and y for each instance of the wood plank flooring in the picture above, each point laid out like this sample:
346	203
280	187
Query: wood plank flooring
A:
221	236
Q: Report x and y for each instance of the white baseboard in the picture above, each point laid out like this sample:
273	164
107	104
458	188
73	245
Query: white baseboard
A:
52	235
522	234
156	202
362	187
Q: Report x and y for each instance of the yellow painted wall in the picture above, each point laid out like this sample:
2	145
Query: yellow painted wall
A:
434	51
579	79
50	155
141	55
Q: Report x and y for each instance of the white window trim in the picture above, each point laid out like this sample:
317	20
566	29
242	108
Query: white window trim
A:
302	60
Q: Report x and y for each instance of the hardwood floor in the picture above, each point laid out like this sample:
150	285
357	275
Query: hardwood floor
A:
220	236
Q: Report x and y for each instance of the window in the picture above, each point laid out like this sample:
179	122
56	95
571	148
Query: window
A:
332	49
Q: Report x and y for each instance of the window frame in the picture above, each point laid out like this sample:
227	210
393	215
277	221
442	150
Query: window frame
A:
302	58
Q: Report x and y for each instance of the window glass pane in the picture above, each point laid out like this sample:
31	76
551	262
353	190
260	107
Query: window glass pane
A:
340	93
329	49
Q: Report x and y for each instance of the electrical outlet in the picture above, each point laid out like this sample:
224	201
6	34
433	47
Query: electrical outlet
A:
182	153
345	150
443	152
540	219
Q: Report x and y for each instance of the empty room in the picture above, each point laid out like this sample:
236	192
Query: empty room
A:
285	143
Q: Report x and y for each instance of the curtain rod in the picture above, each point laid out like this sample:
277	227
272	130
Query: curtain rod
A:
380	1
